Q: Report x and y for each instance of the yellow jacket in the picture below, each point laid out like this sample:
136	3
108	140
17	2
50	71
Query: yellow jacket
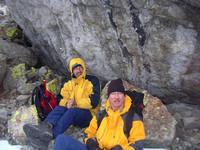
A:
111	130
85	89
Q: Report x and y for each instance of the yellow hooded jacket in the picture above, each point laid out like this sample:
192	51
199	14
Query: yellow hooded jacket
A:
111	130
84	90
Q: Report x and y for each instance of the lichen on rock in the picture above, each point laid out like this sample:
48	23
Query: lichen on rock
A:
18	71
11	32
52	86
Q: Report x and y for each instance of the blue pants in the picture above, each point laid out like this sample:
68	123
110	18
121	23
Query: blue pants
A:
65	142
62	118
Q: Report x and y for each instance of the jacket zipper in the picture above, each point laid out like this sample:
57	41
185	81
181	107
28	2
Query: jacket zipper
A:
116	127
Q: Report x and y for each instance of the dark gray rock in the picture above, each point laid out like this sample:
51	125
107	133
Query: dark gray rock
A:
17	54
3	121
3	67
152	44
191	123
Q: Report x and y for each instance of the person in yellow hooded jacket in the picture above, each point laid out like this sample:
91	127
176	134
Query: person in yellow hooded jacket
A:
111	135
78	102
111	132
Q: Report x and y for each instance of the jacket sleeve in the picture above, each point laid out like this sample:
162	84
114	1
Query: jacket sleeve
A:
93	100
64	94
90	132
59	96
137	135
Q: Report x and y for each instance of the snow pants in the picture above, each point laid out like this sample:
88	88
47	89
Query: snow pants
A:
62	118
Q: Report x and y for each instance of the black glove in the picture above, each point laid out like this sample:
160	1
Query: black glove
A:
117	147
92	145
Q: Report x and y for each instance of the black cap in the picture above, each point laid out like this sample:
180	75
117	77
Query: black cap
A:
75	65
116	86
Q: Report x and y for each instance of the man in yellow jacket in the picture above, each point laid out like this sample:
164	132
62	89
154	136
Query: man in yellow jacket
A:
111	132
79	101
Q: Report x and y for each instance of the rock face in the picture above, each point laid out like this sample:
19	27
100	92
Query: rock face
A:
16	99
152	44
22	116
160	125
12	54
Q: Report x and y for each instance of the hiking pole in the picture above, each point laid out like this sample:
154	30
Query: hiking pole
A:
50	106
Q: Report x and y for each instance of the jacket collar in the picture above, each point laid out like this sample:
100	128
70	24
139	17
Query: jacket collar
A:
127	105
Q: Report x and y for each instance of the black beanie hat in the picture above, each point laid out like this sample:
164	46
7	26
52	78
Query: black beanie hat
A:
75	65
116	86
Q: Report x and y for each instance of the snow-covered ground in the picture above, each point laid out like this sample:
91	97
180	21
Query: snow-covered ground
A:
4	145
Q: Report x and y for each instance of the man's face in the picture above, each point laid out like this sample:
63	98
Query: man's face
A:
78	71
117	100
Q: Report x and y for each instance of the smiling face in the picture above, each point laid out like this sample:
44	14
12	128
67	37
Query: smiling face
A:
117	100
78	71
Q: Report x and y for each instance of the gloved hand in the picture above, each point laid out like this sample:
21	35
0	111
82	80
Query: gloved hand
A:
92	145
117	147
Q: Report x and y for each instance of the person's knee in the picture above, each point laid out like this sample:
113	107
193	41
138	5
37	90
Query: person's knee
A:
60	108
61	142
62	138
72	112
78	113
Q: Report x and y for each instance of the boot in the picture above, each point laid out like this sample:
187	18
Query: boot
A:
37	143
42	131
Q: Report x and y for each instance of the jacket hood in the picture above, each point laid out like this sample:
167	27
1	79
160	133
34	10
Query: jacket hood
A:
127	105
77	61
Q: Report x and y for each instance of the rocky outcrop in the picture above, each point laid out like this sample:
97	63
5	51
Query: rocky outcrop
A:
187	131
15	107
22	116
12	54
152	44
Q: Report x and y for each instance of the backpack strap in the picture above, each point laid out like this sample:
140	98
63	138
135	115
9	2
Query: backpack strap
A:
128	121
45	99
136	107
46	102
33	93
36	97
100	117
